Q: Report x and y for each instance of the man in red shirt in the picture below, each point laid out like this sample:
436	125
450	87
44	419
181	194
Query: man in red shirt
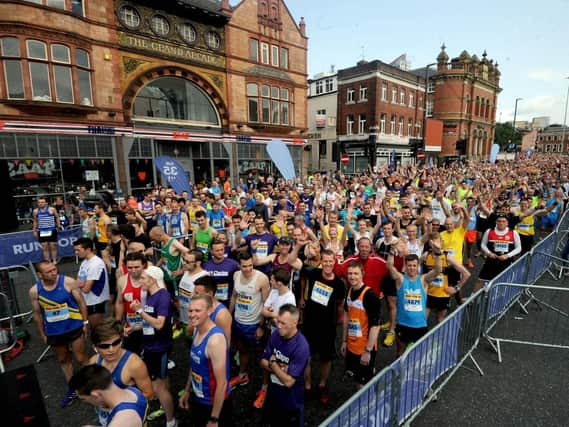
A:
375	268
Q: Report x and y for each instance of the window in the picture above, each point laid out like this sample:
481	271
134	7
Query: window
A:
84	77
430	87
418	129
363	93
270	105
402	97
12	68
129	16
319	87
212	40
382	123
429	108
350	125
62	73
274	56
410	128
77	7
411	99
401	124
392	125
253	98
322	148
264	53
362	124
284	58
384	92
394	95
350	95
329	85
254	50
159	25
39	71
321	112
188	33
467	106
60	4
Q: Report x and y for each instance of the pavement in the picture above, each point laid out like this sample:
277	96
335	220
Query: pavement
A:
527	389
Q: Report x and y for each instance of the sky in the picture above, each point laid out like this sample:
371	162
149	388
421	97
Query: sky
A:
528	39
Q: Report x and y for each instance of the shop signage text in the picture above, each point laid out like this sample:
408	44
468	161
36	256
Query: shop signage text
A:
100	130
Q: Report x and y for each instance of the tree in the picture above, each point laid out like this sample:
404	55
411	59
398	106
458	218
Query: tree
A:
506	135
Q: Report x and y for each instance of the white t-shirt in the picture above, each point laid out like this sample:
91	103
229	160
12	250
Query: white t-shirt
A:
275	301
185	292
95	269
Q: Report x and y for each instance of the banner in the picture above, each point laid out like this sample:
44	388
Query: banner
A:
494	153
425	362
174	174
22	248
280	155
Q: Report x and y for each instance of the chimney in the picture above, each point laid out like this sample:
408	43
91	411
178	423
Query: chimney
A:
302	26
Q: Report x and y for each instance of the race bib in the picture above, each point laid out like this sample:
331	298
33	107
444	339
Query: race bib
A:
354	328
438	281
147	329
244	303
202	247
45	233
216	223
262	249
412	302
184	297
197	385
321	293
222	292
56	313
502	247
523	227
134	319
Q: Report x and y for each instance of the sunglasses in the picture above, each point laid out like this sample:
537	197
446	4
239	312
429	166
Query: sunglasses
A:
106	346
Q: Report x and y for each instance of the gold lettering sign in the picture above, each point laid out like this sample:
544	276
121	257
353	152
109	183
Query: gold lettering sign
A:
170	50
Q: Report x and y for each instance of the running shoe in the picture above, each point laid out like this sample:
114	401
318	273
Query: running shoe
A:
260	400
155	414
70	397
177	332
324	397
385	326
389	339
239	380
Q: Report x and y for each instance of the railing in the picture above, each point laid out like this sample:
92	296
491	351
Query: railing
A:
402	390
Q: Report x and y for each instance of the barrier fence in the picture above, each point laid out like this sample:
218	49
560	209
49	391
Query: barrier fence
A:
398	394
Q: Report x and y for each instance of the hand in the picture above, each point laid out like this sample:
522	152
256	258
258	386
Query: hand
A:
254	244
135	305
343	349
183	401
450	290
365	358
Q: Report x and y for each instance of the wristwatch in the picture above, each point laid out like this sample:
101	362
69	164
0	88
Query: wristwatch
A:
213	419
139	311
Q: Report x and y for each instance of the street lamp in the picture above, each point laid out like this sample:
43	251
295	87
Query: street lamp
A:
424	128
565	117
515	114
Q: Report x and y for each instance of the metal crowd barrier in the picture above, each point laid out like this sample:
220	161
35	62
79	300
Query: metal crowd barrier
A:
402	390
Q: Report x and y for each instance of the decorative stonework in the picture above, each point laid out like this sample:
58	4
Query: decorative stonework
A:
217	80
131	64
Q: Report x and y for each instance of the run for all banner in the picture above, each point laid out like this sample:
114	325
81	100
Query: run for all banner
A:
23	248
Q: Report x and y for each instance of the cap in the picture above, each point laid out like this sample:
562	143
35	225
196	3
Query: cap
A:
285	240
157	274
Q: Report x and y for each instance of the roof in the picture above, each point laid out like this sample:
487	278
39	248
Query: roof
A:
206	7
421	72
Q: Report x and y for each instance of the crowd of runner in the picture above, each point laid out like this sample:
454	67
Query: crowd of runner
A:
279	265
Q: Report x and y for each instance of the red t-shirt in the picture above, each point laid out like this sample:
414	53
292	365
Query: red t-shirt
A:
375	269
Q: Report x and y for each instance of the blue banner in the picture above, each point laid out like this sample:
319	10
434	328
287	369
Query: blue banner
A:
280	155
22	248
425	362
174	174
494	153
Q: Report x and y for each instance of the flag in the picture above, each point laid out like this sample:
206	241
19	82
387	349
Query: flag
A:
494	153
280	155
174	174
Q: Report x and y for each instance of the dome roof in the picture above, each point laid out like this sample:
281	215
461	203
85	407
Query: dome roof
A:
443	57
464	56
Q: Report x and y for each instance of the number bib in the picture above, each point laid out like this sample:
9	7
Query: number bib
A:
244	303
222	292
197	385
216	223
502	247
45	233
412	302
438	281
262	249
202	247
134	319
56	313
184	297
523	227
321	293
354	328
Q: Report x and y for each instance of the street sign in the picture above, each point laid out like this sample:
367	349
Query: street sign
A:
420	155
345	159
92	175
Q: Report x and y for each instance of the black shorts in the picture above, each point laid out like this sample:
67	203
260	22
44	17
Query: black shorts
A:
492	267
101	246
113	282
156	363
97	308
274	415
453	276
51	238
437	303
481	224
200	413
360	373
321	342
388	286
133	342
405	334
65	339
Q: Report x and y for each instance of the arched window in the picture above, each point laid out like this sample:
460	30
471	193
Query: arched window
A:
174	98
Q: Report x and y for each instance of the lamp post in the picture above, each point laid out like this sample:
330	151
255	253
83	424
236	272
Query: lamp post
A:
424	128
565	118
515	114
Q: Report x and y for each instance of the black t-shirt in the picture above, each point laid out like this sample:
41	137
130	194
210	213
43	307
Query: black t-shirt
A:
322	298
371	218
144	239
372	305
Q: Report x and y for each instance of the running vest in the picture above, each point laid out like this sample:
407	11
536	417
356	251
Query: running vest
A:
145	207
358	325
203	381
215	311
176	224
501	245
140	406
412	303
185	292
526	226
249	300
203	241
60	310
437	286
101	230
217	220
103	413
132	293
46	222
162	221
172	263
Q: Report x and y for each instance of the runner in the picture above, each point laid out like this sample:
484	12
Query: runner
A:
222	270
193	266
45	225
